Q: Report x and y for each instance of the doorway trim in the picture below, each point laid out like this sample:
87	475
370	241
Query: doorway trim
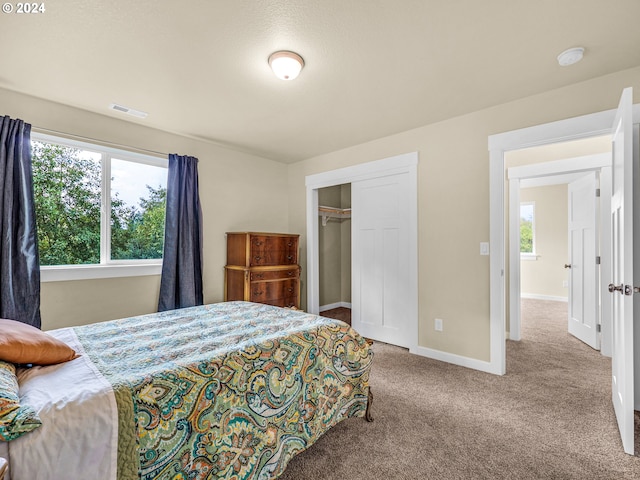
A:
576	128
405	163
562	171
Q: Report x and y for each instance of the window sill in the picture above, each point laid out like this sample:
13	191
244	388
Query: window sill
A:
90	272
529	256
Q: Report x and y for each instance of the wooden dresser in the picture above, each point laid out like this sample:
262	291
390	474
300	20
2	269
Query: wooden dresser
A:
263	268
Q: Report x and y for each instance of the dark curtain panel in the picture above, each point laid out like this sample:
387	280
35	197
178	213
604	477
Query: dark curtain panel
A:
19	261
181	281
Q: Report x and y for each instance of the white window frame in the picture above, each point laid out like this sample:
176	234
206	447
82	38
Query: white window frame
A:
107	268
533	255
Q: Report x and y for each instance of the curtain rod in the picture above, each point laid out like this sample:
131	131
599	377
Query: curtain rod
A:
103	142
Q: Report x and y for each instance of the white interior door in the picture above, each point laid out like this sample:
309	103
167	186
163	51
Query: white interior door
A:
621	286
380	259
583	269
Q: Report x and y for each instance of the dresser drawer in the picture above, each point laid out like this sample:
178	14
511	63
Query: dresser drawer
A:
271	258
268	250
275	274
262	292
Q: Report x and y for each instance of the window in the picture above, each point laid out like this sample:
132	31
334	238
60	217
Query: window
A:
527	229
75	184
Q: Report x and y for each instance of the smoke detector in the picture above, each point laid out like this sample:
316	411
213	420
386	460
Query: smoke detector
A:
570	56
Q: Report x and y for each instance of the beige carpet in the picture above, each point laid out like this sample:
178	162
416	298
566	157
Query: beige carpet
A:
550	417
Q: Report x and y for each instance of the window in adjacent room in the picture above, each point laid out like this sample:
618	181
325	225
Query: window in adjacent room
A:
97	206
527	229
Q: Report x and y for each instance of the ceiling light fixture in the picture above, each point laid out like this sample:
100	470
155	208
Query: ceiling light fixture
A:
286	65
571	56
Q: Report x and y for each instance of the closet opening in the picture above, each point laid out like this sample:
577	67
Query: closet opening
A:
383	289
334	241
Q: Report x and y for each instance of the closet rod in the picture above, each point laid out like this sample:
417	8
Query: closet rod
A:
103	142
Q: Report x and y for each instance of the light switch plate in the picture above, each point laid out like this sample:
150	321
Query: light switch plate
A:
484	248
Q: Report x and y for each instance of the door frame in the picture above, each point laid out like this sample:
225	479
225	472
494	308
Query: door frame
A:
564	170
405	163
576	128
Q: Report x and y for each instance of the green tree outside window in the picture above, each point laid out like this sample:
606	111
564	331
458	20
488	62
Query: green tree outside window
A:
526	227
67	192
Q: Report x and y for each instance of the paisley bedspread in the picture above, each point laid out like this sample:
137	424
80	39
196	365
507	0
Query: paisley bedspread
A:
230	390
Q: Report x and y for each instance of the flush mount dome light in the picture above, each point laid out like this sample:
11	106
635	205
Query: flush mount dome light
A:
286	65
571	56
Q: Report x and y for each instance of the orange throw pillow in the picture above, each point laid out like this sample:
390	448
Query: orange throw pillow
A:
23	344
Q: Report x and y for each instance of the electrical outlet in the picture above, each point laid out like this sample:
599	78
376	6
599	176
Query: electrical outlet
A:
438	324
565	283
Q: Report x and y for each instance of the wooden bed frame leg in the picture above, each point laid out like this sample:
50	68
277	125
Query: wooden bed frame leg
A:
367	414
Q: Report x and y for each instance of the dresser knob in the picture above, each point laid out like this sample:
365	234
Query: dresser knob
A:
258	258
290	289
290	273
289	257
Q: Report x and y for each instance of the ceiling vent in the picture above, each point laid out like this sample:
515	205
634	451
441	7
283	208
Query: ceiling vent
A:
128	111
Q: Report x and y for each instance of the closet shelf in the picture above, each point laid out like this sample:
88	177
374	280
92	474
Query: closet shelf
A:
332	212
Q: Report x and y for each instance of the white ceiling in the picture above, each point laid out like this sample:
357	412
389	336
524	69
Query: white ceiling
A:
373	67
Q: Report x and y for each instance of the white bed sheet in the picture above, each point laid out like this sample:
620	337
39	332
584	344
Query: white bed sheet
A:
79	433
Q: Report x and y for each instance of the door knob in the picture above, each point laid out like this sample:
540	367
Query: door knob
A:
614	288
567	265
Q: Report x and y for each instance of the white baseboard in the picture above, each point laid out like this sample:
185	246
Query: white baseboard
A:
331	306
535	296
454	359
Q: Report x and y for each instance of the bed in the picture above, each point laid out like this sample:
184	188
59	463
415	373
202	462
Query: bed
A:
229	390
